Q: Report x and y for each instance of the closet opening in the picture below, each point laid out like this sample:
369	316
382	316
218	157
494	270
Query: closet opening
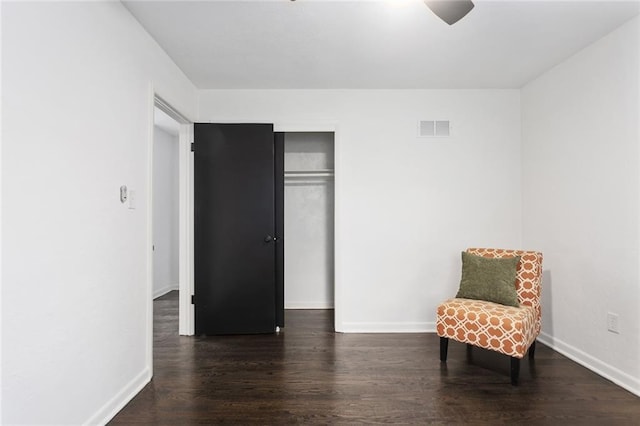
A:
309	220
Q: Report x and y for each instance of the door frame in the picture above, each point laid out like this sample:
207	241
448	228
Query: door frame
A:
332	127
185	219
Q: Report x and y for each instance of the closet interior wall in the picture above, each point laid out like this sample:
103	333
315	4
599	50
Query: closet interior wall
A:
309	220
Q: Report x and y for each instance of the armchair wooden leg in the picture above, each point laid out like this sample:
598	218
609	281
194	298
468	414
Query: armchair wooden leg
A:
515	370
444	346
532	350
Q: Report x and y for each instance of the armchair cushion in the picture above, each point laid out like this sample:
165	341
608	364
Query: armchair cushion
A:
489	279
506	329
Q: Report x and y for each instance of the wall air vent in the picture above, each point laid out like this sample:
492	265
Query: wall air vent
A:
434	128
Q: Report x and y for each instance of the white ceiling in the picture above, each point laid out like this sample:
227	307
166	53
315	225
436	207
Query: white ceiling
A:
366	44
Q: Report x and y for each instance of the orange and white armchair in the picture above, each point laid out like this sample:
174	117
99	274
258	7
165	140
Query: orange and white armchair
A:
480	315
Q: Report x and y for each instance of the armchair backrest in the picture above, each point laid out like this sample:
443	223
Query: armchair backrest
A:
528	275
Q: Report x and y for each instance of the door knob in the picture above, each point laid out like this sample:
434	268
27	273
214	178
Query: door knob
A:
268	239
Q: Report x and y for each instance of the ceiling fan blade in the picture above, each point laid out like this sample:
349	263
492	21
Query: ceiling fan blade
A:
450	11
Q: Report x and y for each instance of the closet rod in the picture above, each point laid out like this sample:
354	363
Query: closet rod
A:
309	173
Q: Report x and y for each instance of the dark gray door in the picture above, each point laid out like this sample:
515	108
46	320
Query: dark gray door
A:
235	229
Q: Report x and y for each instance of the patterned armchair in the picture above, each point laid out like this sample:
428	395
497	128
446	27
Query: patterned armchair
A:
505	329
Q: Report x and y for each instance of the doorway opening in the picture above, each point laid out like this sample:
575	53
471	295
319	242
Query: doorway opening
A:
169	231
309	220
166	132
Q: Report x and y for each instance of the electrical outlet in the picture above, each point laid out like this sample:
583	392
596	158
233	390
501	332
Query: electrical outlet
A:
613	321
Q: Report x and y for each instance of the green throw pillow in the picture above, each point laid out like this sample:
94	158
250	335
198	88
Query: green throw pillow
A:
485	278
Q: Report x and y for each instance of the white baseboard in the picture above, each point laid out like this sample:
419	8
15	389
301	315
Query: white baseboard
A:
164	290
388	327
309	305
620	378
122	398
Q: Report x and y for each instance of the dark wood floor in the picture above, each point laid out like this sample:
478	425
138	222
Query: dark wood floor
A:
310	375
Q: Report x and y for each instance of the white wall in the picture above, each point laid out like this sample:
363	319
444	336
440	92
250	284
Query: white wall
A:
581	192
165	212
308	221
76	111
405	206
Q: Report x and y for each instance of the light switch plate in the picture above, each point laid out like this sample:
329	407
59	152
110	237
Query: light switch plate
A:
613	323
132	199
